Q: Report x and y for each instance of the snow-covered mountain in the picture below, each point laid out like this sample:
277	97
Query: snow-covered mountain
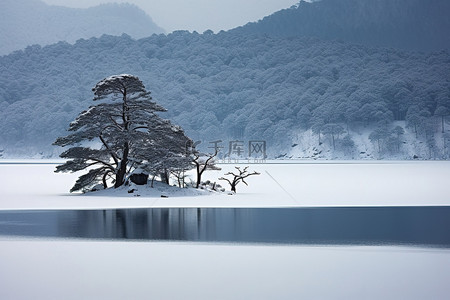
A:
361	101
230	87
405	24
28	22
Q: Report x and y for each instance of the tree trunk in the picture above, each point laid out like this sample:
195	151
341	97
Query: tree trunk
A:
165	177
121	172
183	181
120	175
105	185
199	176
153	180
233	187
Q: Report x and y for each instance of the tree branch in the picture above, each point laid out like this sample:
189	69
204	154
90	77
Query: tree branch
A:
208	160
115	123
140	127
223	178
114	156
102	162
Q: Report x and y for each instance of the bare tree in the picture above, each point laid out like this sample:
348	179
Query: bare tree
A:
237	178
180	176
203	162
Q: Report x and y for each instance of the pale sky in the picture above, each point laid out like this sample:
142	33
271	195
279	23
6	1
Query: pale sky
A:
196	15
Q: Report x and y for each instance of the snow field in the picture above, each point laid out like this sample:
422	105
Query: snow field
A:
27	186
44	269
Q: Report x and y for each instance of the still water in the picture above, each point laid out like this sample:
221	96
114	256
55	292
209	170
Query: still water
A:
424	226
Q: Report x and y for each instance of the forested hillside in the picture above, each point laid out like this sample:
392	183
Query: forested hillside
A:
230	86
405	24
28	22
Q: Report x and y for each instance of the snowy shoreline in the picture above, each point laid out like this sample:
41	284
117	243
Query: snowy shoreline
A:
27	185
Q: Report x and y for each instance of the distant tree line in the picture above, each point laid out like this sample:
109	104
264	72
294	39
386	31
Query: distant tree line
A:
230	86
405	24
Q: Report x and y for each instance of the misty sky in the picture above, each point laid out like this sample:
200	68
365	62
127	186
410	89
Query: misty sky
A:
196	15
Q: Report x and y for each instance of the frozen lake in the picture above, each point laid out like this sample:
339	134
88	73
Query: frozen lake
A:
321	230
413	226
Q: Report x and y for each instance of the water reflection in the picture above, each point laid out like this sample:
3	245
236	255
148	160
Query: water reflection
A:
151	224
369	225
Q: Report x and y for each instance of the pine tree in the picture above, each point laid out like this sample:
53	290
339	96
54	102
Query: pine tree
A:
379	135
334	130
398	131
130	133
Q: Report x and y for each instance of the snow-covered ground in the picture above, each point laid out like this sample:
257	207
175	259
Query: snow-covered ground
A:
43	269
283	183
80	269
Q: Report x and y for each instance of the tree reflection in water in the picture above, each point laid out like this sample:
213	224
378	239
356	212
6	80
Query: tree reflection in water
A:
328	225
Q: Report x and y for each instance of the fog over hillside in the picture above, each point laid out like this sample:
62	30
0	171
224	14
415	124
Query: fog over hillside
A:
406	24
28	22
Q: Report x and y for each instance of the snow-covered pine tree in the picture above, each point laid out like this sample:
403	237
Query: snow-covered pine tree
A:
166	151
130	133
